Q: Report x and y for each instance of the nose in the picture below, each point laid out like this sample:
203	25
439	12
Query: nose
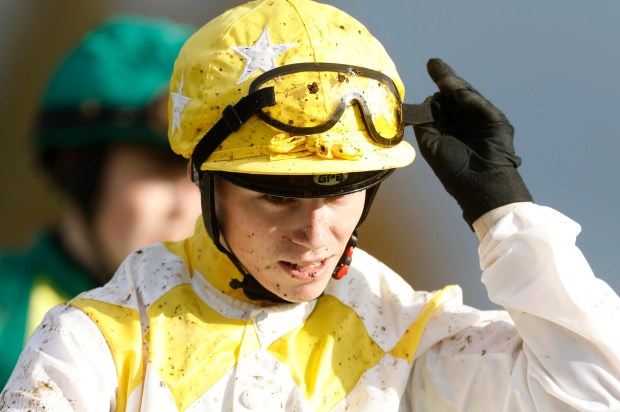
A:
311	224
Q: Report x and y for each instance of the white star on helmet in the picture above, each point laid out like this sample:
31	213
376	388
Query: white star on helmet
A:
179	101
261	55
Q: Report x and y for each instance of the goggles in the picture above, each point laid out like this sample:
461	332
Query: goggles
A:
310	98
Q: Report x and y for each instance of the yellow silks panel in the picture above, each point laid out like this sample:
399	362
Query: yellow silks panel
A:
199	253
407	346
121	329
42	298
328	354
193	346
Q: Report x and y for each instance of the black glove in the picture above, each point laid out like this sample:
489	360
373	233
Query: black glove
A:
469	146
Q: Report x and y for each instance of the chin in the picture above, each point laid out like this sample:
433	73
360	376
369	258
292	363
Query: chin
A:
306	294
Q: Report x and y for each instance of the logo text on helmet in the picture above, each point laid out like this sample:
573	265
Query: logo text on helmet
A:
331	179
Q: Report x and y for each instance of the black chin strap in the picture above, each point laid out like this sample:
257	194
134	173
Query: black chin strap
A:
254	290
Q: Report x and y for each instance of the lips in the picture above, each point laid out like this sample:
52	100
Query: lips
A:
303	266
305	270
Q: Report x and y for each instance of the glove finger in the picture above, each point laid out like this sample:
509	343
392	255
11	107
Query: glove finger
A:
476	105
461	94
446	78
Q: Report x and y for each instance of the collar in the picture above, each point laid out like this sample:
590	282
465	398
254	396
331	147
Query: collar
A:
214	266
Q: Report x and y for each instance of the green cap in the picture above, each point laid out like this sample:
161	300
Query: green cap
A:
113	86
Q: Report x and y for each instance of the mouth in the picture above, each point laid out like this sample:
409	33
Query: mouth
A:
306	265
305	270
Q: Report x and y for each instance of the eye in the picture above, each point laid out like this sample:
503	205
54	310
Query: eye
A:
275	199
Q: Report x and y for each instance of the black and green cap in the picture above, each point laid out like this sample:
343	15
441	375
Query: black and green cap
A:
113	86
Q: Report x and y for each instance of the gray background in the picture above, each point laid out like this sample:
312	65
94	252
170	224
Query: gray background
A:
553	67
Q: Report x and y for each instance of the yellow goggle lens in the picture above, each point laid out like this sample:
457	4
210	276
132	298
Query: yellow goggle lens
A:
311	101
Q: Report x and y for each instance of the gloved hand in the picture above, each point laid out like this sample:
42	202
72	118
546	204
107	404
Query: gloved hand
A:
469	146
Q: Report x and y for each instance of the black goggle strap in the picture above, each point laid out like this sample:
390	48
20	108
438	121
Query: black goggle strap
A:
417	113
232	119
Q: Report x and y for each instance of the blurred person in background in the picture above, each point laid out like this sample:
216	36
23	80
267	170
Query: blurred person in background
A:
101	139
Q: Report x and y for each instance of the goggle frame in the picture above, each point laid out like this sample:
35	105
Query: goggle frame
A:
344	102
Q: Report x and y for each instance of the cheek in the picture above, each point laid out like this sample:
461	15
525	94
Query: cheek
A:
243	235
346	218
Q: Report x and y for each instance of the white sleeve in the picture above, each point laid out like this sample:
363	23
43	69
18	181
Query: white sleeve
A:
559	348
65	366
569	320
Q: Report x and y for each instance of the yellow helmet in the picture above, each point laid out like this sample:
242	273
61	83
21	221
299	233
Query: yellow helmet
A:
287	87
